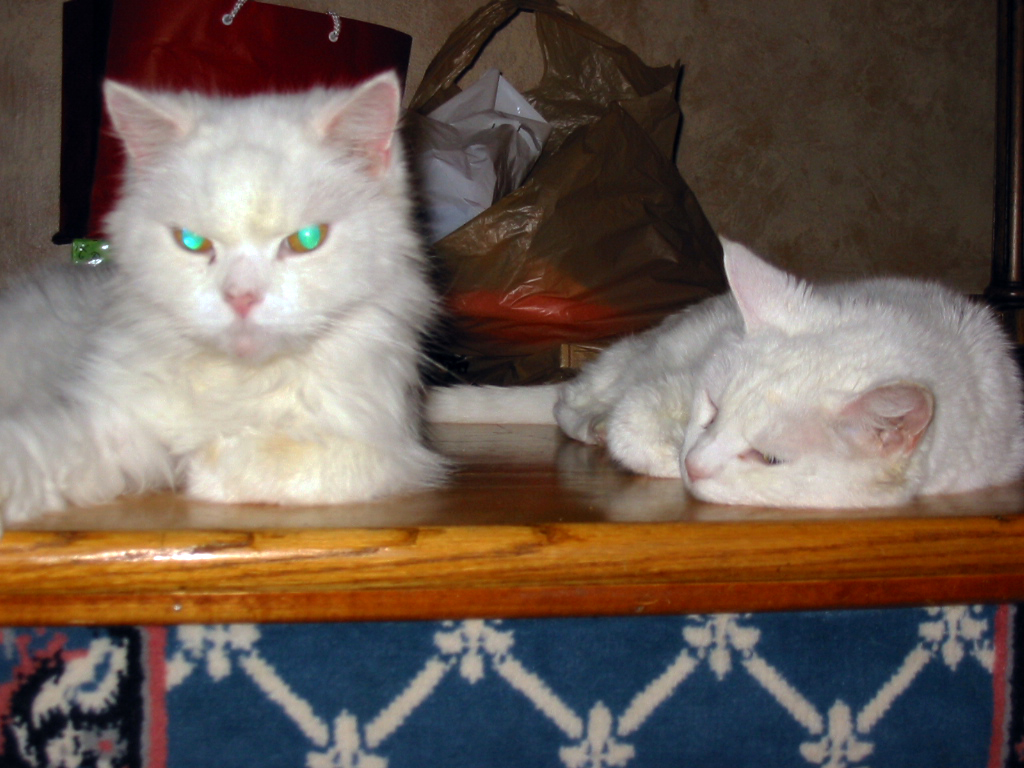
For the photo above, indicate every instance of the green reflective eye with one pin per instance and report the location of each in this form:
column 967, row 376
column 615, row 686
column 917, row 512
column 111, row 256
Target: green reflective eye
column 192, row 241
column 307, row 239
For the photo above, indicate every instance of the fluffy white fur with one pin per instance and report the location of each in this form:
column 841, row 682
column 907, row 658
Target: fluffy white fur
column 248, row 372
column 778, row 393
column 859, row 394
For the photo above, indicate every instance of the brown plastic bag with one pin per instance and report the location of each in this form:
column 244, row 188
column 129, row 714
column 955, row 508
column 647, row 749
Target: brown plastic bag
column 603, row 239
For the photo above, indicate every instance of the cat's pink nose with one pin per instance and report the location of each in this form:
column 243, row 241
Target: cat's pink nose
column 242, row 303
column 694, row 470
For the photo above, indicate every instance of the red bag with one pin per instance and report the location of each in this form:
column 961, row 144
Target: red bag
column 215, row 47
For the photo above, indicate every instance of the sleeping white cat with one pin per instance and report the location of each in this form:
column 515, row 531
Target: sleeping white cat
column 257, row 338
column 779, row 393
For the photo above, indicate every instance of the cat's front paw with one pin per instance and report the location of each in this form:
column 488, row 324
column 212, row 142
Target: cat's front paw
column 280, row 469
column 634, row 450
column 645, row 435
column 25, row 491
column 579, row 415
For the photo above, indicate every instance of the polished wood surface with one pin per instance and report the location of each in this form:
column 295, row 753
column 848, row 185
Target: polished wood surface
column 530, row 525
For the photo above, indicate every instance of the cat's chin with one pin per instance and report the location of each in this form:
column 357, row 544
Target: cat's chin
column 835, row 497
column 253, row 345
column 248, row 348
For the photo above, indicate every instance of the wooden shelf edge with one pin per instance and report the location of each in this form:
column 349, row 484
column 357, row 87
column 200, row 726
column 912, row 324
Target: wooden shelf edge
column 545, row 570
column 483, row 603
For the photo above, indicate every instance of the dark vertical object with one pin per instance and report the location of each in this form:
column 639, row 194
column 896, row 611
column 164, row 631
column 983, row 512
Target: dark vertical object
column 1006, row 291
column 86, row 29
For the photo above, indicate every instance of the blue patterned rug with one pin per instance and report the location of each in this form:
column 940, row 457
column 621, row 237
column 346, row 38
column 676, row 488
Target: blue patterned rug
column 837, row 689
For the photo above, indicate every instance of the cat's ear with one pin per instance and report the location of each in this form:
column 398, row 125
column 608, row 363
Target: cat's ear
column 145, row 122
column 364, row 120
column 766, row 295
column 888, row 420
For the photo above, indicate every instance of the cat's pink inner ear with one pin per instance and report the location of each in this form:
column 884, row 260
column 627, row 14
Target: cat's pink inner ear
column 889, row 420
column 766, row 295
column 145, row 124
column 364, row 122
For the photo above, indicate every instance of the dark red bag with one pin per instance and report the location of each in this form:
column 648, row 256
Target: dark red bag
column 220, row 47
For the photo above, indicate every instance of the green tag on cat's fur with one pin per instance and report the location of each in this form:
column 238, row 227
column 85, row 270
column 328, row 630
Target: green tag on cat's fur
column 88, row 251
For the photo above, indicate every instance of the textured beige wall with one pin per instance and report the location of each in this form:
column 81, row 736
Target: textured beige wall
column 842, row 137
column 30, row 60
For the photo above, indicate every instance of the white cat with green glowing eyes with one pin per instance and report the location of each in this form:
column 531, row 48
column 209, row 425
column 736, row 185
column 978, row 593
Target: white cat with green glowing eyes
column 256, row 338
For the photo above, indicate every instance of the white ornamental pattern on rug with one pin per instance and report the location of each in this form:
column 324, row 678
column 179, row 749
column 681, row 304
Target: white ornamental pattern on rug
column 838, row 738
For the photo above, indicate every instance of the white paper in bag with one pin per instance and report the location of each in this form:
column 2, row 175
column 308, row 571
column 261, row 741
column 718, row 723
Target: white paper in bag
column 474, row 149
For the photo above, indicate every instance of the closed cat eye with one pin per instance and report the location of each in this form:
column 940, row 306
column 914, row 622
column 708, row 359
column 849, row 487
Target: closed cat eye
column 708, row 410
column 761, row 458
column 192, row 241
column 307, row 239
